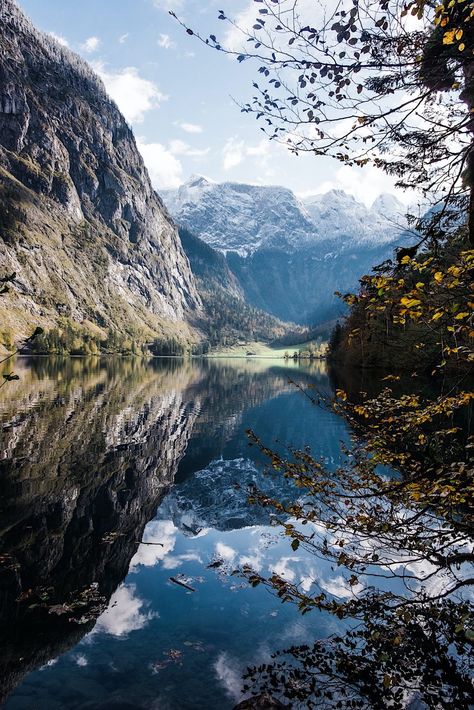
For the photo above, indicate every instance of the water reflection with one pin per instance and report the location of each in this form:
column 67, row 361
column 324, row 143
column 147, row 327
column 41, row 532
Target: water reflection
column 89, row 452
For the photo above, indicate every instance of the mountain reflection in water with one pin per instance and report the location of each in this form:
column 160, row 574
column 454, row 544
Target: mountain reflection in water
column 89, row 453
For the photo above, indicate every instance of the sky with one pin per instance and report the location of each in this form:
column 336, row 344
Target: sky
column 180, row 96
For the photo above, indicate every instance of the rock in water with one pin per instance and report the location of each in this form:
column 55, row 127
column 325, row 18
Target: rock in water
column 80, row 223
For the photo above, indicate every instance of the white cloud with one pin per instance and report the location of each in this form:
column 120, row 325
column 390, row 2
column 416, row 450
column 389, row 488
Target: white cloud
column 81, row 660
column 178, row 147
column 59, row 38
column 50, row 663
column 125, row 613
column 191, row 127
column 229, row 675
column 173, row 562
column 282, row 568
column 307, row 580
column 166, row 42
column 123, row 38
column 365, row 184
column 133, row 94
column 339, row 587
column 261, row 150
column 233, row 153
column 225, row 552
column 307, row 11
column 253, row 559
column 163, row 534
column 168, row 5
column 165, row 169
column 234, row 39
column 91, row 45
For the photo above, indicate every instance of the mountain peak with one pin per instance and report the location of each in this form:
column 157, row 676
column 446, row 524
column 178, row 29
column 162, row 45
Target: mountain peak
column 198, row 181
column 388, row 204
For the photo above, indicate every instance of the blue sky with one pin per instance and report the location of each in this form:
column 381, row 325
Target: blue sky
column 176, row 94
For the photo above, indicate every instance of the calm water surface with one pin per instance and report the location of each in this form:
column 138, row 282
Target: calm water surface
column 98, row 458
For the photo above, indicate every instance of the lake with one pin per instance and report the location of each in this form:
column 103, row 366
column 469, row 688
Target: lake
column 121, row 482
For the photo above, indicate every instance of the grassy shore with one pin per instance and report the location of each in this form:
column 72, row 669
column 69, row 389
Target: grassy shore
column 261, row 350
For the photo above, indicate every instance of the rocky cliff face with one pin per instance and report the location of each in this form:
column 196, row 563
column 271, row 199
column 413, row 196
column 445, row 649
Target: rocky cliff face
column 80, row 224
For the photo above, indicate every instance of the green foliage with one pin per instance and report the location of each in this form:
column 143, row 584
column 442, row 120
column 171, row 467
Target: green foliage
column 168, row 346
column 231, row 320
column 335, row 340
column 7, row 340
column 202, row 348
column 65, row 341
column 415, row 315
column 71, row 339
column 318, row 333
column 124, row 344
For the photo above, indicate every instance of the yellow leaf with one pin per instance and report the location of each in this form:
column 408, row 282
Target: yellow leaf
column 459, row 34
column 462, row 47
column 409, row 302
column 462, row 315
column 448, row 36
column 438, row 276
column 438, row 315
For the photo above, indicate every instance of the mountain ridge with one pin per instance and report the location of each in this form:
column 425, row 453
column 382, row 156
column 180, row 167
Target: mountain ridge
column 289, row 255
column 243, row 218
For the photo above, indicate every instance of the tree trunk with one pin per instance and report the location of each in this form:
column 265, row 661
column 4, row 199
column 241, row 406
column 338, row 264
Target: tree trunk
column 467, row 96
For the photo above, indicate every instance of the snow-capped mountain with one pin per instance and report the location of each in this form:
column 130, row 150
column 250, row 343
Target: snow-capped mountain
column 240, row 218
column 338, row 216
column 290, row 255
column 249, row 218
